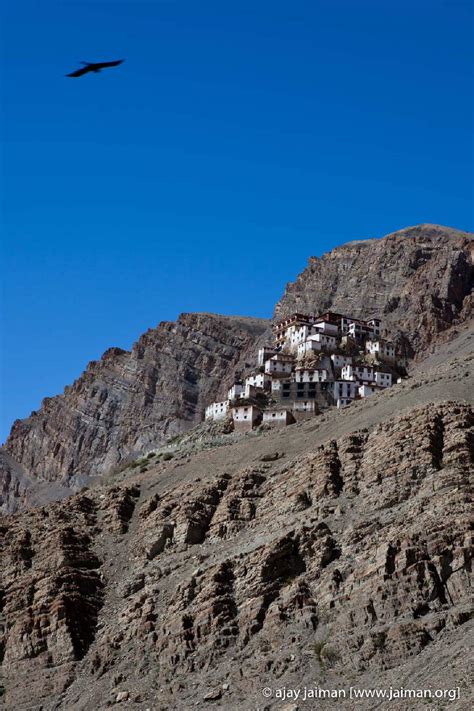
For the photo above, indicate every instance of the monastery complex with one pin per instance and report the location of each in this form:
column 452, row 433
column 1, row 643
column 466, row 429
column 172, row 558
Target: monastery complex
column 315, row 362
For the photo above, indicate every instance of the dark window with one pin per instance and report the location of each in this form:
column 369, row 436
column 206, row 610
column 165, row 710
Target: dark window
column 285, row 394
column 311, row 394
column 300, row 394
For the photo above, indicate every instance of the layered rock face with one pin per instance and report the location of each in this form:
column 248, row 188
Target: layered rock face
column 129, row 401
column 418, row 280
column 341, row 565
column 345, row 562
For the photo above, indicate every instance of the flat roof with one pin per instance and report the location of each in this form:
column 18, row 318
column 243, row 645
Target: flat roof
column 329, row 316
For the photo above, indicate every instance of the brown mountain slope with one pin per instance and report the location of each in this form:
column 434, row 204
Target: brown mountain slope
column 344, row 562
column 418, row 280
column 127, row 402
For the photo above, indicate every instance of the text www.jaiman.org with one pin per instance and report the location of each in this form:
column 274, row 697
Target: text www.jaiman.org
column 388, row 694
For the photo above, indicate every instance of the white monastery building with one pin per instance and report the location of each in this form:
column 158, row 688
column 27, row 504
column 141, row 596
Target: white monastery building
column 237, row 390
column 339, row 360
column 381, row 347
column 217, row 410
column 259, row 380
column 309, row 375
column 246, row 416
column 278, row 416
column 279, row 364
column 315, row 362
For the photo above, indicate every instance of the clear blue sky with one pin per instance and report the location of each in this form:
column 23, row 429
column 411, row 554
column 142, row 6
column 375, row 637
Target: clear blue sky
column 236, row 140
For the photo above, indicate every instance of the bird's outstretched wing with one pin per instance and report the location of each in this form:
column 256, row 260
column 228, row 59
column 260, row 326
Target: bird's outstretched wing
column 80, row 72
column 94, row 67
column 103, row 65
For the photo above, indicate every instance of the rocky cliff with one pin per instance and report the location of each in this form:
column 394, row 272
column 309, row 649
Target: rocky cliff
column 126, row 402
column 418, row 280
column 334, row 553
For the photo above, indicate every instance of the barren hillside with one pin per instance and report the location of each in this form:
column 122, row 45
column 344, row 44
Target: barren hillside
column 333, row 553
column 418, row 280
column 345, row 561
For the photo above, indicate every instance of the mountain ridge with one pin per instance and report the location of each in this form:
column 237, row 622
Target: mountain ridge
column 127, row 401
column 418, row 280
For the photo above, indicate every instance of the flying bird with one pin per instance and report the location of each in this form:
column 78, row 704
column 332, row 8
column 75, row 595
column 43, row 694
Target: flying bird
column 94, row 67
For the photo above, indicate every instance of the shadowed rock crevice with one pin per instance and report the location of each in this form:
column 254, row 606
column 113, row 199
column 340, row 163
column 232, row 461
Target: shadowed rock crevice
column 164, row 538
column 238, row 505
column 51, row 607
column 282, row 564
column 334, row 483
column 119, row 507
column 436, row 436
column 194, row 521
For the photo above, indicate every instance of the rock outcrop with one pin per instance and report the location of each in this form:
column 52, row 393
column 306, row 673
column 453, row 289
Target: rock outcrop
column 127, row 402
column 418, row 280
column 336, row 567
